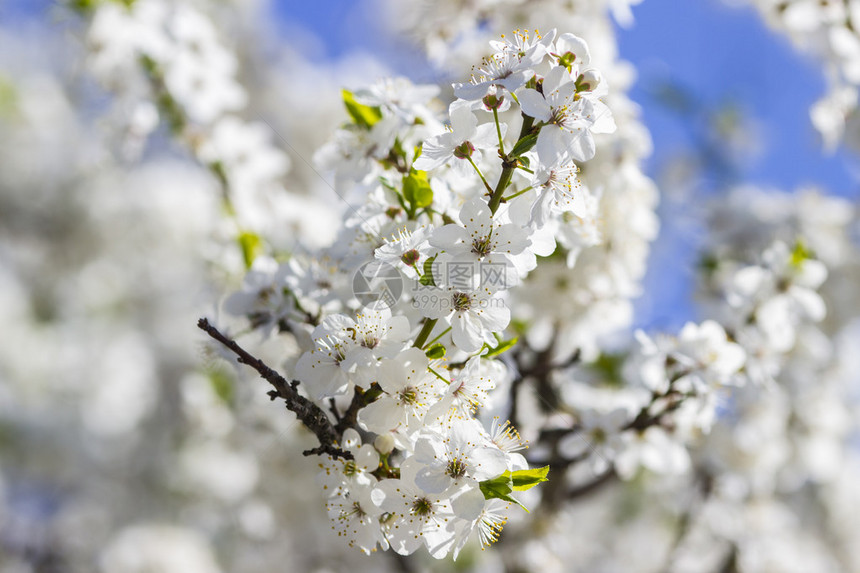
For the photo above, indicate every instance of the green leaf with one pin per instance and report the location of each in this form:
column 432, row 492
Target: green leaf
column 252, row 245
column 427, row 278
column 361, row 114
column 416, row 189
column 503, row 346
column 609, row 367
column 524, row 144
column 527, row 479
column 222, row 384
column 436, row 351
column 8, row 98
column 519, row 325
column 90, row 5
column 799, row 254
column 500, row 488
column 709, row 263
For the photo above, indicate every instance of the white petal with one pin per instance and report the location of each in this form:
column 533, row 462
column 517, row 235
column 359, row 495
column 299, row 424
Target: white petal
column 381, row 416
column 472, row 92
column 476, row 217
column 468, row 502
column 435, row 152
column 510, row 239
column 534, row 104
column 489, row 462
column 432, row 479
column 486, row 136
column 467, row 332
column 495, row 315
column 463, row 121
column 574, row 44
column 449, row 236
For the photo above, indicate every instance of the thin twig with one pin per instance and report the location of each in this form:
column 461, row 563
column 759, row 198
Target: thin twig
column 593, row 485
column 360, row 399
column 311, row 415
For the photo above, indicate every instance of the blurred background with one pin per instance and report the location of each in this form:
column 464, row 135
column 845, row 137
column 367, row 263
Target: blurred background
column 125, row 446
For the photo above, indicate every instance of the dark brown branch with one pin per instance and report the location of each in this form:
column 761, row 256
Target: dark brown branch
column 703, row 483
column 311, row 415
column 360, row 399
column 645, row 419
column 403, row 562
column 539, row 374
column 730, row 565
column 591, row 486
column 332, row 406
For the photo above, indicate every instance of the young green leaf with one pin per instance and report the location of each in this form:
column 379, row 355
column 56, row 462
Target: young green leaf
column 363, row 115
column 427, row 278
column 252, row 245
column 527, row 479
column 416, row 189
column 435, row 351
column 524, row 144
column 222, row 384
column 799, row 254
column 502, row 347
column 500, row 488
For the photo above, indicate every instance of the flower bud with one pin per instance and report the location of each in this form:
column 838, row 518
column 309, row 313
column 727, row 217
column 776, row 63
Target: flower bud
column 464, row 150
column 492, row 101
column 384, row 443
column 567, row 60
column 588, row 81
column 410, row 257
column 393, row 212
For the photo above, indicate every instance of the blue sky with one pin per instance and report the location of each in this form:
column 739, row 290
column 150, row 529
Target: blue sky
column 717, row 52
column 723, row 53
column 719, row 55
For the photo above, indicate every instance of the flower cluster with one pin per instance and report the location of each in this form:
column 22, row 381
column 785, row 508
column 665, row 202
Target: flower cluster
column 827, row 30
column 478, row 297
column 166, row 61
column 411, row 357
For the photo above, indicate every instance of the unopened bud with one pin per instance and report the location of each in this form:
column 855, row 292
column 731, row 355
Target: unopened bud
column 410, row 257
column 384, row 443
column 464, row 150
column 567, row 60
column 588, row 81
column 492, row 101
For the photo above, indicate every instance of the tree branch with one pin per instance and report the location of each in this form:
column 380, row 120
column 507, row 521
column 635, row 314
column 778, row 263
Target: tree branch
column 593, row 485
column 360, row 399
column 311, row 415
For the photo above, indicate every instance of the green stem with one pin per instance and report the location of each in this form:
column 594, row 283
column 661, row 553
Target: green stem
column 425, row 332
column 517, row 194
column 499, row 131
column 481, row 175
column 439, row 376
column 510, row 164
column 443, row 333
